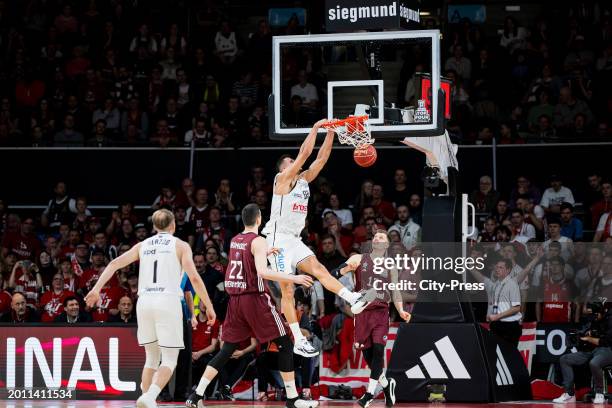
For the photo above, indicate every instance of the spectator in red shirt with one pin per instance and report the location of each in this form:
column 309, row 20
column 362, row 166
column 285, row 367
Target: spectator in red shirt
column 205, row 341
column 342, row 237
column 47, row 269
column 5, row 303
column 91, row 275
column 71, row 282
column 108, row 305
column 215, row 227
column 554, row 293
column 52, row 302
column 29, row 91
column 602, row 206
column 26, row 278
column 361, row 232
column 68, row 250
column 23, row 242
column 184, row 197
column 126, row 311
column 384, row 209
column 166, row 199
column 20, row 312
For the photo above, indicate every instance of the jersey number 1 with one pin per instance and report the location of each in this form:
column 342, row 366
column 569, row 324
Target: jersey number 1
column 155, row 272
column 236, row 265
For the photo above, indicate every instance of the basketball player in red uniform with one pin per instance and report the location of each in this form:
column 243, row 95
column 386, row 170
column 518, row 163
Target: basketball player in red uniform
column 372, row 326
column 287, row 220
column 251, row 311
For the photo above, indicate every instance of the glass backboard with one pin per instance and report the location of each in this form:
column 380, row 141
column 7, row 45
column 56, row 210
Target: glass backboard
column 374, row 73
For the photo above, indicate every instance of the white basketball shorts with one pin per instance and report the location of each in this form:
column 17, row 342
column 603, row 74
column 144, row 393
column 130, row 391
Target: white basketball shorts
column 160, row 319
column 291, row 252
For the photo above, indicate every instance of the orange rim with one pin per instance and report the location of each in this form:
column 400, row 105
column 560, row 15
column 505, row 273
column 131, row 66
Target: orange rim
column 354, row 120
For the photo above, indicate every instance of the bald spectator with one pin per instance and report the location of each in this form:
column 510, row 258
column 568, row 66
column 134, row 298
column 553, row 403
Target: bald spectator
column 20, row 312
column 126, row 312
column 485, row 197
column 567, row 109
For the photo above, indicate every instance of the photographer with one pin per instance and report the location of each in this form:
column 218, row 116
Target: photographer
column 596, row 336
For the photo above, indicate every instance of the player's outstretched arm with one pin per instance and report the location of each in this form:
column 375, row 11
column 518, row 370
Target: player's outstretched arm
column 259, row 249
column 303, row 155
column 120, row 262
column 188, row 266
column 397, row 297
column 316, row 166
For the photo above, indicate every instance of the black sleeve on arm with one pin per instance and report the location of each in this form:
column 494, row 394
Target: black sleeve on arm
column 336, row 271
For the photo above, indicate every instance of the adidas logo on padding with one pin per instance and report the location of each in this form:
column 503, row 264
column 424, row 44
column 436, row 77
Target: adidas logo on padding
column 434, row 368
column 503, row 376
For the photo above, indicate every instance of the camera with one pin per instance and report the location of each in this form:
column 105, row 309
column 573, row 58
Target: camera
column 591, row 326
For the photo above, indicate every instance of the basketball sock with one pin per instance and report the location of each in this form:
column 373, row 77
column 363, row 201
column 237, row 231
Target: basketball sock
column 202, row 386
column 383, row 380
column 154, row 391
column 372, row 385
column 350, row 297
column 295, row 330
column 291, row 389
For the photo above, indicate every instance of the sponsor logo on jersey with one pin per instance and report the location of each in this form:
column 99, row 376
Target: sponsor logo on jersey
column 306, row 194
column 238, row 245
column 280, row 260
column 149, row 252
column 301, row 208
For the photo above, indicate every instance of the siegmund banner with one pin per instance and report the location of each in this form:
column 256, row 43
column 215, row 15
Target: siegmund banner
column 354, row 15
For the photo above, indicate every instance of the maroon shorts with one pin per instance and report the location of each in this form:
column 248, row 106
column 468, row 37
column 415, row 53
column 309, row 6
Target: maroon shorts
column 371, row 327
column 252, row 315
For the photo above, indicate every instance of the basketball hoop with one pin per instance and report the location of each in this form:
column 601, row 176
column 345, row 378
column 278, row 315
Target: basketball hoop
column 354, row 130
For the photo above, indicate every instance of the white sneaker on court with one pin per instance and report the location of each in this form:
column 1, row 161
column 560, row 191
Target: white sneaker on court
column 599, row 399
column 304, row 348
column 564, row 398
column 145, row 401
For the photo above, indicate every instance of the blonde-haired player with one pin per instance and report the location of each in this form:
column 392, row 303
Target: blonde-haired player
column 163, row 258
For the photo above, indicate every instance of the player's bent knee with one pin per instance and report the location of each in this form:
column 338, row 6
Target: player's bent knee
column 285, row 353
column 169, row 356
column 223, row 356
column 152, row 355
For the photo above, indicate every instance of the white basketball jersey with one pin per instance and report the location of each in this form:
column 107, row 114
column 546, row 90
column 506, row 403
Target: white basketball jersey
column 160, row 269
column 289, row 211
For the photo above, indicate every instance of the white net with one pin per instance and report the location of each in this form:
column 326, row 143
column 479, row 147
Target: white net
column 353, row 131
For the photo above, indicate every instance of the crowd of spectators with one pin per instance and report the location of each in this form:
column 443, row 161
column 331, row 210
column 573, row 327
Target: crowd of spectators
column 107, row 72
column 49, row 261
column 535, row 82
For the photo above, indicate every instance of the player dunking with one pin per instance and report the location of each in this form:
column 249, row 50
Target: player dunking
column 251, row 309
column 287, row 220
column 372, row 326
column 163, row 258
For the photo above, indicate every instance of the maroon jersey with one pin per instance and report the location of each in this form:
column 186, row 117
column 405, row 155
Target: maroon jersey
column 240, row 275
column 365, row 278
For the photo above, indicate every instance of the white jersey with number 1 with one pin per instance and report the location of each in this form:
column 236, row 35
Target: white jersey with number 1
column 160, row 269
column 289, row 211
